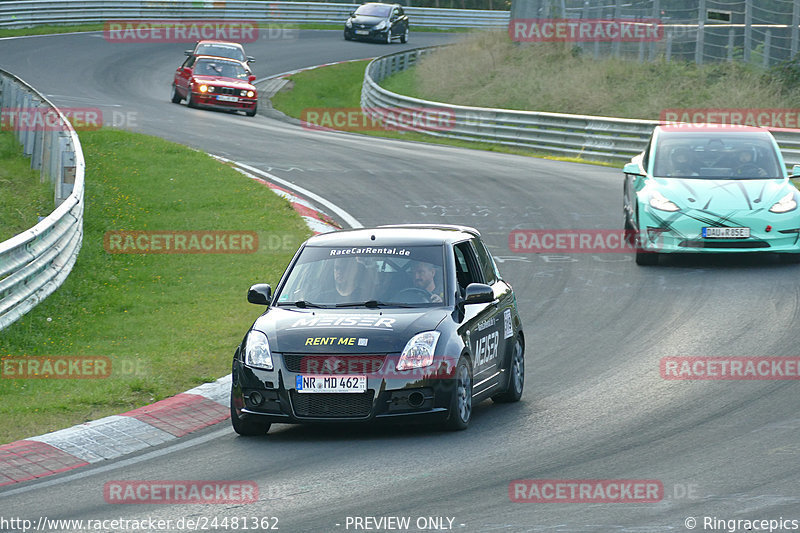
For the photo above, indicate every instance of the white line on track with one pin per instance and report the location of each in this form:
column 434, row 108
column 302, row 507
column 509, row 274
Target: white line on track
column 348, row 219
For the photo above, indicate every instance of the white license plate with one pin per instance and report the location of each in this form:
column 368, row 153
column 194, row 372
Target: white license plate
column 726, row 233
column 328, row 383
column 362, row 32
column 223, row 98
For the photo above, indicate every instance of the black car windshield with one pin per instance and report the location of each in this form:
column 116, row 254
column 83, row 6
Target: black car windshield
column 372, row 276
column 716, row 155
column 374, row 10
column 218, row 67
column 220, row 50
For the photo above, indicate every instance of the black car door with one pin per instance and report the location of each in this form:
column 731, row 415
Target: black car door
column 482, row 325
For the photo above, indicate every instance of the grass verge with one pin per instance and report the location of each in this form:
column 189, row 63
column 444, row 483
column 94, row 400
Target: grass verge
column 338, row 88
column 167, row 322
column 23, row 198
column 488, row 70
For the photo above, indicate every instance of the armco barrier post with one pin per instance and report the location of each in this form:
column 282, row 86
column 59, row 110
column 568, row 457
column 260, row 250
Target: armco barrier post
column 62, row 142
column 47, row 142
column 67, row 171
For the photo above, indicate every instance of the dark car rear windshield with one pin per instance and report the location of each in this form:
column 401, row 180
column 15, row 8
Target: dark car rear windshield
column 716, row 155
column 390, row 275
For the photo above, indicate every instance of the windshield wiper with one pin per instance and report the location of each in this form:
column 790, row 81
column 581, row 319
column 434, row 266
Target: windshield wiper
column 373, row 304
column 303, row 304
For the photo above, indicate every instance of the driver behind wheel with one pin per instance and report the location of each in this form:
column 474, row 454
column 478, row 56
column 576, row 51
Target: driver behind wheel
column 425, row 279
column 746, row 159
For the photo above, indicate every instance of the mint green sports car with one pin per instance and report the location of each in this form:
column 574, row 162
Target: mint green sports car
column 711, row 189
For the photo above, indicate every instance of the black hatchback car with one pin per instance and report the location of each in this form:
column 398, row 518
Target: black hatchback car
column 379, row 22
column 395, row 322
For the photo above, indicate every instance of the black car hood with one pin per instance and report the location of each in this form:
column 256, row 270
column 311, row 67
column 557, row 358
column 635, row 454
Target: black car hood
column 366, row 20
column 350, row 330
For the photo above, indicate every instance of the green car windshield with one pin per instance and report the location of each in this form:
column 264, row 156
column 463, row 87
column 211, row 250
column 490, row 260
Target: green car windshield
column 713, row 155
column 378, row 276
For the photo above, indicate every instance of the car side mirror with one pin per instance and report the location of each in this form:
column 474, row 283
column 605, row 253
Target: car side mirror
column 478, row 293
column 796, row 171
column 251, row 59
column 251, row 78
column 259, row 294
column 632, row 168
column 187, row 71
column 187, row 52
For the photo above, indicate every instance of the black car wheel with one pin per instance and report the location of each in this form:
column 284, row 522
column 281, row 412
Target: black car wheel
column 461, row 402
column 189, row 100
column 516, row 378
column 176, row 98
column 347, row 36
column 247, row 427
column 643, row 257
column 252, row 112
column 404, row 37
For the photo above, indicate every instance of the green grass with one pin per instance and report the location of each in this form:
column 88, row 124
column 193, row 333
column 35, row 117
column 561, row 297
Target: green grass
column 23, row 198
column 488, row 70
column 176, row 318
column 339, row 87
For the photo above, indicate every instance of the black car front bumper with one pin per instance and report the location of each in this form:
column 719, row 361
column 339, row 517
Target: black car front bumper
column 270, row 396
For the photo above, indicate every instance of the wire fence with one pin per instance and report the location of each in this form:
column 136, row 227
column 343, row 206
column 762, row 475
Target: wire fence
column 763, row 32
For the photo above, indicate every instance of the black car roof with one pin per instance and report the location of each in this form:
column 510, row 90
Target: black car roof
column 396, row 235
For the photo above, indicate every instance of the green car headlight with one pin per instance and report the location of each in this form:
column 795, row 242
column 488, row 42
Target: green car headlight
column 659, row 201
column 785, row 204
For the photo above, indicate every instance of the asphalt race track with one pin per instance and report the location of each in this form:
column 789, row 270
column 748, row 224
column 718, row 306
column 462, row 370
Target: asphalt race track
column 595, row 404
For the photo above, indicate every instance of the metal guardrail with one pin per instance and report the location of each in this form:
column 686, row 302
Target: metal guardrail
column 589, row 137
column 36, row 262
column 21, row 13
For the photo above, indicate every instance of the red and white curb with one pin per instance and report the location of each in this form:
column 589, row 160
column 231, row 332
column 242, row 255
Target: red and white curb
column 151, row 425
column 117, row 435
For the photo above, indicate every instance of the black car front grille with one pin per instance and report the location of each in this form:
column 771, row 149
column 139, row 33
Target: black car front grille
column 226, row 90
column 333, row 364
column 332, row 405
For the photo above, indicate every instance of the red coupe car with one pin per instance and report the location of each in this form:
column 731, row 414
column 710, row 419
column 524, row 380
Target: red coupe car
column 217, row 83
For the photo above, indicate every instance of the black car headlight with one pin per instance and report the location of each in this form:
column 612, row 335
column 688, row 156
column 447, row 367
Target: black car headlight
column 256, row 351
column 419, row 351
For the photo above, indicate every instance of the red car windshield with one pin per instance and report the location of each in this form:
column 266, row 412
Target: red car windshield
column 225, row 69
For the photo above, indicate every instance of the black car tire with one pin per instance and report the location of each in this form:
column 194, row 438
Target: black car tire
column 189, row 100
column 247, row 427
column 176, row 98
column 404, row 37
column 389, row 36
column 643, row 257
column 461, row 401
column 252, row 113
column 347, row 36
column 516, row 377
